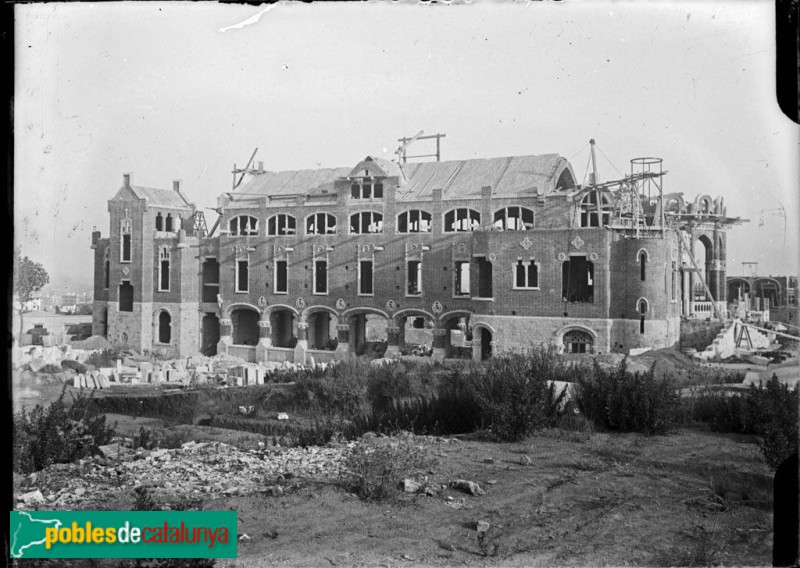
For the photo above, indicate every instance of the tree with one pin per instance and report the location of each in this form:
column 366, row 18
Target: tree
column 29, row 277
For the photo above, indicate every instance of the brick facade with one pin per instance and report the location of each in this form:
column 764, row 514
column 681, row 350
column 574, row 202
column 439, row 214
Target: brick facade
column 538, row 271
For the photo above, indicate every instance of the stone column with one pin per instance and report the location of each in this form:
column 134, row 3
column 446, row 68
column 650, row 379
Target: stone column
column 302, row 343
column 686, row 293
column 343, row 337
column 439, row 344
column 393, row 341
column 264, row 340
column 225, row 337
column 476, row 344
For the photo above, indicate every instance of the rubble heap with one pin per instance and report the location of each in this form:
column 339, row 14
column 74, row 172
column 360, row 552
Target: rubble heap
column 195, row 469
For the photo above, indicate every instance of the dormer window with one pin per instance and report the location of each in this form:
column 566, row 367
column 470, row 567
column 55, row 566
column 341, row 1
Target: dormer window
column 366, row 188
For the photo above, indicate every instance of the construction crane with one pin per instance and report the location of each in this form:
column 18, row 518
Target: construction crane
column 405, row 143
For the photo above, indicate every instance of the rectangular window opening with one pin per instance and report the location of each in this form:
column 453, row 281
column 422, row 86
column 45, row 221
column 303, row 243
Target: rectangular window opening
column 242, row 275
column 281, row 277
column 365, row 277
column 126, row 248
column 461, row 286
column 577, row 280
column 320, row 276
column 484, row 278
column 163, row 280
column 414, row 274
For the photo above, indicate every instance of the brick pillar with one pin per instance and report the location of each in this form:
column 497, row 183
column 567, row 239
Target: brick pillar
column 393, row 341
column 439, row 344
column 225, row 335
column 302, row 343
column 264, row 339
column 343, row 337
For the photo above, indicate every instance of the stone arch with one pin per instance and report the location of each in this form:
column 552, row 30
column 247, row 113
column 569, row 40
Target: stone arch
column 773, row 292
column 237, row 305
column 283, row 321
column 563, row 333
column 704, row 204
column 322, row 322
column 244, row 324
column 481, row 324
column 365, row 309
column 639, row 302
column 735, row 285
column 314, row 309
column 163, row 323
column 413, row 311
column 363, row 338
column 639, row 255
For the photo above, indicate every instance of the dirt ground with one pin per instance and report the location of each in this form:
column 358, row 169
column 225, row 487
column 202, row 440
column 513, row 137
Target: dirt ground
column 691, row 498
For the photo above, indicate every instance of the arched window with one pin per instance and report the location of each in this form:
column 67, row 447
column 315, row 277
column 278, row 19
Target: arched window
column 642, row 265
column 461, row 220
column 366, row 222
column 642, row 312
column 513, row 219
column 168, row 224
column 321, row 224
column 243, row 226
column 578, row 341
column 164, row 327
column 159, row 222
column 282, row 224
column 594, row 212
column 414, row 221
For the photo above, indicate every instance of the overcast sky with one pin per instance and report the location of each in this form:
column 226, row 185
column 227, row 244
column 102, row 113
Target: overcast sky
column 183, row 90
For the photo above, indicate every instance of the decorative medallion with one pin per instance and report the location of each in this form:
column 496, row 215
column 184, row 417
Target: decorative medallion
column 300, row 303
column 462, row 248
column 492, row 257
column 593, row 256
column 124, row 337
column 262, row 302
column 437, row 307
column 526, row 243
column 562, row 257
column 577, row 242
column 340, row 304
column 126, row 270
column 391, row 305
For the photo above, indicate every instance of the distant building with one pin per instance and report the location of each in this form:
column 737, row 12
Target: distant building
column 774, row 296
column 511, row 251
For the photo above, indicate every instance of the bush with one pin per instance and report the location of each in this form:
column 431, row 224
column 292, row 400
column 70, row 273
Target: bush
column 767, row 411
column 57, row 434
column 378, row 466
column 514, row 395
column 50, row 369
column 628, row 402
column 73, row 365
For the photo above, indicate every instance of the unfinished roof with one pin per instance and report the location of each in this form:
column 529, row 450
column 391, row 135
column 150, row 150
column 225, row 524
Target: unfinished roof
column 458, row 179
column 160, row 197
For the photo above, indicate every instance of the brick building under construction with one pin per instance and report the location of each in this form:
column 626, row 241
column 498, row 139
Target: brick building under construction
column 490, row 254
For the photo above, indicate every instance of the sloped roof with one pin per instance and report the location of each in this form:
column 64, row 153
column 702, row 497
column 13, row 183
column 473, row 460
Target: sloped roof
column 458, row 179
column 160, row 197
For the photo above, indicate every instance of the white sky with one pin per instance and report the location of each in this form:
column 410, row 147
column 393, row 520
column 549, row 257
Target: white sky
column 159, row 90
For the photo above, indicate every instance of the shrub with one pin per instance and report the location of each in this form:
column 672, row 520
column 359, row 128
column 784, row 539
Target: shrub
column 57, row 434
column 768, row 411
column 79, row 368
column 50, row 369
column 377, row 466
column 143, row 499
column 514, row 395
column 629, row 402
